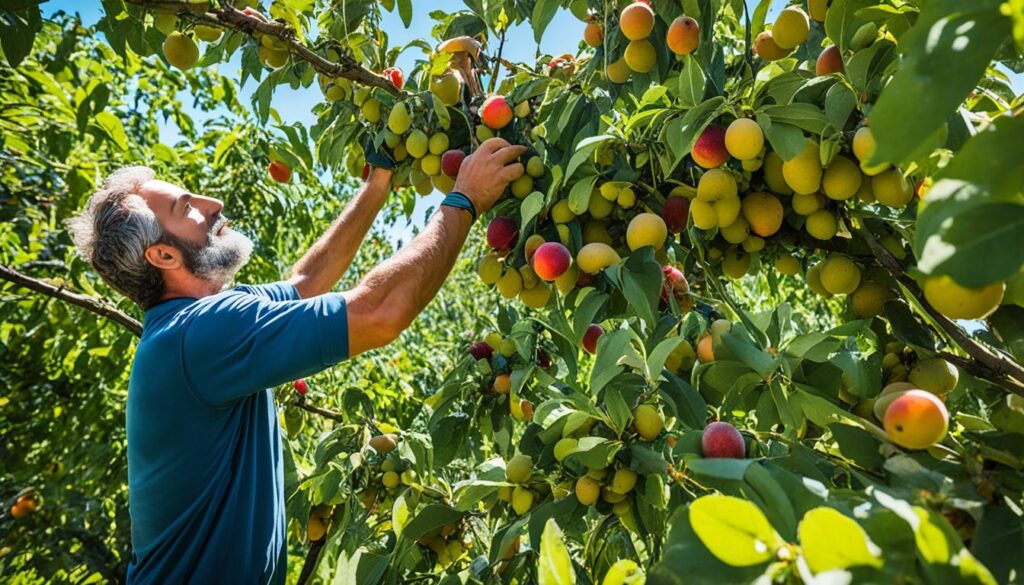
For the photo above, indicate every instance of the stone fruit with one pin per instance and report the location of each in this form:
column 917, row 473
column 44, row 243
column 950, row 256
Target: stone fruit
column 869, row 299
column 489, row 268
column 829, row 61
column 279, row 171
column 787, row 264
column 735, row 263
column 839, row 275
column 623, row 481
column 763, row 211
column 916, row 420
column 674, row 213
column 502, row 384
column 301, row 386
column 803, row 172
column 624, row 572
column 595, row 257
column 864, row 148
column 618, row 72
column 208, row 34
column 648, row 422
column 481, row 351
column 822, row 225
column 721, row 440
column 636, row 21
column 316, row 529
column 522, row 500
column 438, row 143
column 447, row 87
column 773, row 174
column 451, row 162
column 681, row 359
column 640, row 56
column 817, row 9
column 646, row 229
column 744, row 139
column 841, row 179
column 705, row 349
column 417, row 143
column 399, row 121
column 935, row 375
column 767, row 49
column 383, row 444
column 593, row 35
column 587, row 490
column 495, row 112
column 181, row 51
column 510, row 284
column 519, row 468
column 959, row 302
column 709, row 150
column 791, row 27
column 551, row 260
column 590, row 337
column 502, row 233
column 683, row 35
column 891, row 188
column 395, row 76
column 535, row 167
column 522, row 186
column 675, row 282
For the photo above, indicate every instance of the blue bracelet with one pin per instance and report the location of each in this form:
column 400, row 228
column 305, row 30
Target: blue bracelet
column 460, row 201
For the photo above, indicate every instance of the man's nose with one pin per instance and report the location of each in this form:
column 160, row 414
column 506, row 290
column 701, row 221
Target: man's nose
column 210, row 207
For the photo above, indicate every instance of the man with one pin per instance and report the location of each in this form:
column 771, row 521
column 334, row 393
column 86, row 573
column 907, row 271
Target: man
column 205, row 470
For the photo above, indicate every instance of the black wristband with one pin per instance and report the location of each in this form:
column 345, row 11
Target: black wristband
column 460, row 201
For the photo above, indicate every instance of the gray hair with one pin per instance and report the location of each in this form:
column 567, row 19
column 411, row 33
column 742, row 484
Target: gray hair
column 114, row 231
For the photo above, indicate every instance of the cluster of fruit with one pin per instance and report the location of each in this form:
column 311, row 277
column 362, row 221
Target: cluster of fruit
column 23, row 506
column 501, row 355
column 636, row 23
column 449, row 543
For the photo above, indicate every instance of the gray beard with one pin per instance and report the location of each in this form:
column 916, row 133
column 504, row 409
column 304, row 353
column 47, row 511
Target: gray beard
column 220, row 259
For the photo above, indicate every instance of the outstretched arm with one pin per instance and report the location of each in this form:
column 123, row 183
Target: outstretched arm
column 395, row 292
column 320, row 269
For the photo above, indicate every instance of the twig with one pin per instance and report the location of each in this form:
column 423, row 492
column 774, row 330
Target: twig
column 228, row 17
column 497, row 64
column 994, row 367
column 300, row 402
column 311, row 558
column 86, row 302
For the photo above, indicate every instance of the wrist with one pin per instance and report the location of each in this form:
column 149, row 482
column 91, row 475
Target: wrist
column 460, row 200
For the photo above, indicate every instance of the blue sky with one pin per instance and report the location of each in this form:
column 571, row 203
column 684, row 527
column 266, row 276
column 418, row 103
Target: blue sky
column 562, row 36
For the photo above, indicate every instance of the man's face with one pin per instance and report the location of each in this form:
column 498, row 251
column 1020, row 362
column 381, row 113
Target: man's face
column 194, row 225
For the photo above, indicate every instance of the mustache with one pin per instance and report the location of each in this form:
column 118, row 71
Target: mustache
column 219, row 222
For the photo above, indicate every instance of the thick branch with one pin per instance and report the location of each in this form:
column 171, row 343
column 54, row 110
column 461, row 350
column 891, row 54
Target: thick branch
column 300, row 402
column 86, row 302
column 997, row 368
column 311, row 558
column 230, row 18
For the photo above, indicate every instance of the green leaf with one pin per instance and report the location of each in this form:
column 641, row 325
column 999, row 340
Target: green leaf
column 112, row 128
column 734, row 530
column 583, row 151
column 693, row 123
column 945, row 54
column 986, row 231
column 691, row 82
column 579, row 195
column 18, row 30
column 842, row 21
column 405, row 11
column 830, row 540
column 543, row 12
column 554, row 567
column 430, row 518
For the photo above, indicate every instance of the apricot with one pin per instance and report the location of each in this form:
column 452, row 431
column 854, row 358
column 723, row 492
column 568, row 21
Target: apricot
column 593, row 35
column 561, row 212
column 165, row 22
column 510, row 284
column 495, row 112
column 705, row 349
column 709, row 150
column 595, row 257
column 803, row 172
column 841, row 179
column 502, row 383
column 829, row 61
column 316, row 529
column 916, row 420
column 891, row 188
column 522, row 500
column 181, row 51
column 764, row 213
column 791, row 27
column 279, row 171
column 587, row 490
column 817, row 9
column 390, row 479
column 519, row 468
column 648, row 422
column 383, row 444
column 274, row 58
column 721, row 440
column 646, row 229
column 675, row 282
column 598, row 206
column 489, row 269
column 683, row 35
column 839, row 275
column 787, row 264
column 590, row 337
column 399, row 121
column 447, row 87
column 417, row 143
column 522, row 186
column 681, row 359
column 209, row 34
column 27, row 503
column 959, row 302
column 869, row 299
column 735, row 263
column 502, row 233
column 767, row 49
column 773, row 174
column 623, row 481
column 935, row 375
column 674, row 213
column 624, row 571
column 618, row 72
column 744, row 139
column 597, row 231
column 822, row 225
column 807, row 204
column 735, row 232
column 813, row 278
column 636, row 21
column 551, row 260
column 864, row 148
column 640, row 56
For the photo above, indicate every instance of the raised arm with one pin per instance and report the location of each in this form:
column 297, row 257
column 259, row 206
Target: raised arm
column 320, row 269
column 393, row 294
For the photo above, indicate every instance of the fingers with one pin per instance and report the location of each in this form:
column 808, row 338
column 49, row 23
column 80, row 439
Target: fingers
column 492, row 144
column 510, row 153
column 512, row 172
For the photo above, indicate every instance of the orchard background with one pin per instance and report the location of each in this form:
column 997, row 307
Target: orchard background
column 805, row 223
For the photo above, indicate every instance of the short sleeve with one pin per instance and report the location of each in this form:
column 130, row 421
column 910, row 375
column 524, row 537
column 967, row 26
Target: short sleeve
column 240, row 343
column 275, row 291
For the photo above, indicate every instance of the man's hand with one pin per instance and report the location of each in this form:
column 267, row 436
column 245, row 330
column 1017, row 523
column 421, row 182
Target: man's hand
column 485, row 173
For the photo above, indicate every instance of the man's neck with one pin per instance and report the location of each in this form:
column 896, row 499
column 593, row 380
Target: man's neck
column 194, row 288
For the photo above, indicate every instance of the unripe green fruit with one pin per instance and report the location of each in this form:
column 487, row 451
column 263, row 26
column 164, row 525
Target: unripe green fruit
column 519, row 468
column 535, row 167
column 624, row 480
column 438, row 144
column 563, row 447
column 371, row 111
column 399, row 121
column 417, row 143
column 935, row 375
column 181, row 51
column 522, row 500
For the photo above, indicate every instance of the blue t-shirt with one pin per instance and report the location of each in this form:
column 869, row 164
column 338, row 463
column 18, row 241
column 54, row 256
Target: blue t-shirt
column 205, row 467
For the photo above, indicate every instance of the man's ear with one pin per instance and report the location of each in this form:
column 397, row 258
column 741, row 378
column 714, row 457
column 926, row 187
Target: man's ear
column 164, row 256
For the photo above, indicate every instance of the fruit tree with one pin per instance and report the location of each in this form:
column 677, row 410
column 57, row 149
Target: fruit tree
column 754, row 311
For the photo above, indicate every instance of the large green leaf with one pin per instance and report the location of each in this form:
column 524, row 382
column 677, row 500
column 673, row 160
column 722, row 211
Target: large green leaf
column 734, row 530
column 554, row 567
column 830, row 540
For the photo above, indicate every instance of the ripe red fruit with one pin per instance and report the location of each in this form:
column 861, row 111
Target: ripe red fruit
column 481, row 351
column 395, row 76
column 590, row 337
column 675, row 212
column 721, row 440
column 543, row 360
column 551, row 260
column 675, row 281
column 502, row 233
column 279, row 171
column 451, row 162
column 301, row 386
column 254, row 13
column 709, row 150
column 829, row 61
column 495, row 112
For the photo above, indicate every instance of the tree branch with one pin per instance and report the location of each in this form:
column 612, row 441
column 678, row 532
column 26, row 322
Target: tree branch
column 993, row 366
column 300, row 402
column 311, row 558
column 86, row 302
column 230, row 18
